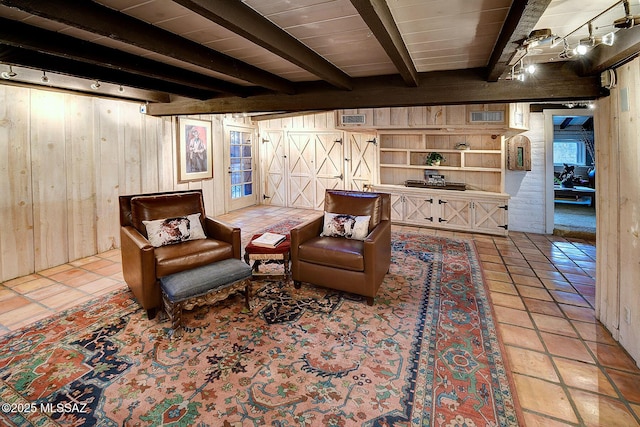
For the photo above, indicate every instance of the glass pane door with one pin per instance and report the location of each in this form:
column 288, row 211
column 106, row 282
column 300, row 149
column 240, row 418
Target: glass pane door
column 241, row 173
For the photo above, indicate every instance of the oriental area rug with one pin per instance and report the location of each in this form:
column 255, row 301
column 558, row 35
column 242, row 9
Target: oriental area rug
column 426, row 354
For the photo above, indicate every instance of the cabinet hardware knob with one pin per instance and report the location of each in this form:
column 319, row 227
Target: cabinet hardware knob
column 442, row 220
column 429, row 218
column 441, row 202
column 429, row 200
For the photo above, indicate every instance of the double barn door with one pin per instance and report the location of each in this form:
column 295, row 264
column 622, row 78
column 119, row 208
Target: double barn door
column 300, row 165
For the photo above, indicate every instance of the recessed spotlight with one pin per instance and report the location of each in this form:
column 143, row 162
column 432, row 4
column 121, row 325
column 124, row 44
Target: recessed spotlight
column 95, row 85
column 121, row 89
column 44, row 77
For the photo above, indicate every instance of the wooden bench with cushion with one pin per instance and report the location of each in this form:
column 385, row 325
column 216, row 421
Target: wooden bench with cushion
column 203, row 285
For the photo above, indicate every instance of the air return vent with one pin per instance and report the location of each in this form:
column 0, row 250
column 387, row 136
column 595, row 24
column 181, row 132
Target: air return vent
column 487, row 117
column 352, row 119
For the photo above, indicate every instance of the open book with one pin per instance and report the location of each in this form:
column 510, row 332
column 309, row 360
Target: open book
column 269, row 240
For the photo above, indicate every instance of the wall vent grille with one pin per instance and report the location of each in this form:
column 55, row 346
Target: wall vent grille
column 487, row 117
column 353, row 119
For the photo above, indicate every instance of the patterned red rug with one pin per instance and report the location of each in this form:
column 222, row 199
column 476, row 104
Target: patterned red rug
column 426, row 354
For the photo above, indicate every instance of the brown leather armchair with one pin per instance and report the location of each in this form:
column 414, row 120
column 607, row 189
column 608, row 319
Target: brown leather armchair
column 143, row 264
column 356, row 266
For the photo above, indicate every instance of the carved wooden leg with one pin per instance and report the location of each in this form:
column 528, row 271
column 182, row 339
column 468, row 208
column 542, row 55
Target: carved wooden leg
column 247, row 295
column 176, row 321
column 174, row 311
column 287, row 273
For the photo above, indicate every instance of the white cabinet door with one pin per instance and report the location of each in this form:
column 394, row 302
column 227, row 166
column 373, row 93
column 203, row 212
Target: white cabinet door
column 490, row 216
column 397, row 207
column 454, row 213
column 421, row 210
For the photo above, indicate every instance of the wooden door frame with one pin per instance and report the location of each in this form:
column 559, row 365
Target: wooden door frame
column 548, row 176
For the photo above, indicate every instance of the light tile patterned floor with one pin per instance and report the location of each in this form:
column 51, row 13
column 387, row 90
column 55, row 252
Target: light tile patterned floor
column 567, row 369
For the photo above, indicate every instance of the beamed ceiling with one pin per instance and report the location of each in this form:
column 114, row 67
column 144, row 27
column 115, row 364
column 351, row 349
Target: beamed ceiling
column 220, row 56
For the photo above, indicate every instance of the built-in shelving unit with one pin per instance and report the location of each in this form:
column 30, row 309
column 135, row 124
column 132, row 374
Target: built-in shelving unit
column 481, row 165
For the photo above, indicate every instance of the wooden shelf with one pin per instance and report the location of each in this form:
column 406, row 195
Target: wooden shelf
column 449, row 168
column 402, row 156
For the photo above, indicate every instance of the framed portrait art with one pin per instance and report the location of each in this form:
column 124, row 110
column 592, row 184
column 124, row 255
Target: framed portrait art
column 194, row 150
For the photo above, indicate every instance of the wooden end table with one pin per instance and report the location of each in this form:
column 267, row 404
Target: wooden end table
column 259, row 254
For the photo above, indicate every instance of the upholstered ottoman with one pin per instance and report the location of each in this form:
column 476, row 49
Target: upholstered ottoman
column 203, row 285
column 259, row 254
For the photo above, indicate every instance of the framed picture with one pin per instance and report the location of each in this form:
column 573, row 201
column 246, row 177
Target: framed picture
column 194, row 150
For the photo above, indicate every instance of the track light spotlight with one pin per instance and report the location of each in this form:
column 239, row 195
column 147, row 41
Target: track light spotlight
column 581, row 49
column 95, row 85
column 121, row 89
column 608, row 39
column 8, row 74
column 44, row 77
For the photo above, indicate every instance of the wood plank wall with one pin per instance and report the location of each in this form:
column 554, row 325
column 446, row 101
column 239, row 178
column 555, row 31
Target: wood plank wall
column 618, row 206
column 65, row 159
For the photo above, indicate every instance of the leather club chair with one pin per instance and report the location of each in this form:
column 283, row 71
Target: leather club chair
column 143, row 264
column 356, row 266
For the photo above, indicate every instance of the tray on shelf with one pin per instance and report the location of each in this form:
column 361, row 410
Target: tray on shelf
column 459, row 186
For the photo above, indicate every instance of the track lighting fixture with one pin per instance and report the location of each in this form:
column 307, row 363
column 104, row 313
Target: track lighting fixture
column 95, row 85
column 121, row 89
column 629, row 21
column 519, row 71
column 8, row 74
column 593, row 41
column 587, row 43
column 44, row 77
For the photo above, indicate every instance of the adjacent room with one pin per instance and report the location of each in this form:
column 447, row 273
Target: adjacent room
column 320, row 213
column 574, row 171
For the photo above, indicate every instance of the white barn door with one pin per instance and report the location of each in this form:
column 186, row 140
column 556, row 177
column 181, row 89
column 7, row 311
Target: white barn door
column 360, row 160
column 274, row 167
column 329, row 165
column 301, row 169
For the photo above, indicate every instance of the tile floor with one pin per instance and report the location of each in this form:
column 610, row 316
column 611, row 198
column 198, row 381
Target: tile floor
column 567, row 369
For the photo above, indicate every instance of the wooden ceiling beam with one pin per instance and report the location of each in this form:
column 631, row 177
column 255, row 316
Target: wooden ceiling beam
column 25, row 36
column 378, row 17
column 521, row 20
column 30, row 59
column 554, row 81
column 236, row 16
column 98, row 19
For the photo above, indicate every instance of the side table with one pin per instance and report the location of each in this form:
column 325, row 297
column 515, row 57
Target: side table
column 259, row 254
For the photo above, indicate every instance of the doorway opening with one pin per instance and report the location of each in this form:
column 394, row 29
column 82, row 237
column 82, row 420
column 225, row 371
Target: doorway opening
column 240, row 163
column 574, row 174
